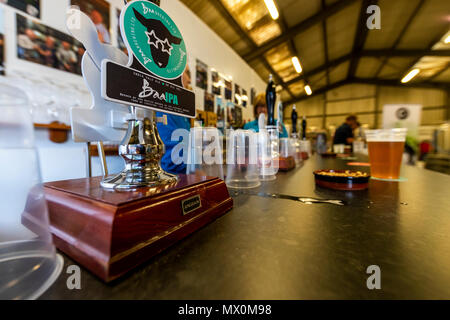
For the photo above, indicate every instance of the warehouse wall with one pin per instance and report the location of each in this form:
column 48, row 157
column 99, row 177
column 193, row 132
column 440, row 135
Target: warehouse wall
column 367, row 102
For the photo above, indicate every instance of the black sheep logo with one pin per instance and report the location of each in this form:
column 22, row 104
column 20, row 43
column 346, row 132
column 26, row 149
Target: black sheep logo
column 402, row 113
column 159, row 38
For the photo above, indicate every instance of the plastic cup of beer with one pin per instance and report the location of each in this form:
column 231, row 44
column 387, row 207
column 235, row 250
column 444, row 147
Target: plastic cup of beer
column 385, row 152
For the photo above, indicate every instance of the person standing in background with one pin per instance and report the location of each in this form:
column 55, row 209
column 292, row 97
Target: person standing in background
column 261, row 107
column 344, row 134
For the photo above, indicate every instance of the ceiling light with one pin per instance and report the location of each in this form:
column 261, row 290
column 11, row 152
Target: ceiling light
column 272, row 9
column 308, row 90
column 297, row 65
column 447, row 39
column 410, row 75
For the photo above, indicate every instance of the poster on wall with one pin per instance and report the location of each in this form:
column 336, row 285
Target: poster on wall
column 2, row 44
column 237, row 116
column 215, row 82
column 228, row 89
column 201, row 75
column 209, row 102
column 403, row 116
column 237, row 94
column 31, row 7
column 230, row 113
column 244, row 98
column 2, row 54
column 98, row 11
column 252, row 96
column 220, row 110
column 46, row 46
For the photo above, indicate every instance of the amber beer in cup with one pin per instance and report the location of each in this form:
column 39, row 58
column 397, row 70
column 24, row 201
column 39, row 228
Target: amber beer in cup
column 385, row 152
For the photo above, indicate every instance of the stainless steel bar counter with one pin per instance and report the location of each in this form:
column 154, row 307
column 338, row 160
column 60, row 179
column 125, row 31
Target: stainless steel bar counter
column 281, row 249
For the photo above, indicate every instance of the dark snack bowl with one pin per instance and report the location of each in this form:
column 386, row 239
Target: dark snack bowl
column 342, row 179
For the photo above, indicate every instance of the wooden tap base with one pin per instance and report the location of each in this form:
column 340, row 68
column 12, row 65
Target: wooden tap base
column 286, row 163
column 112, row 232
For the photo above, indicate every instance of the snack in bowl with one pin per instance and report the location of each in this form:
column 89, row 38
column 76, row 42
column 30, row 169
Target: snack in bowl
column 342, row 179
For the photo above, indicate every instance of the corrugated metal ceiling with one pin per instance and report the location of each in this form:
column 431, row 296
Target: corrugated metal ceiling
column 326, row 36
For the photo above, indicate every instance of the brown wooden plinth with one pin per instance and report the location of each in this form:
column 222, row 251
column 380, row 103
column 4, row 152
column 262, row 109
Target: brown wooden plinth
column 111, row 232
column 286, row 164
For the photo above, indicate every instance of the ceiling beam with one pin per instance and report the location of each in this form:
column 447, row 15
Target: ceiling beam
column 371, row 53
column 437, row 74
column 291, row 43
column 430, row 46
column 237, row 28
column 232, row 22
column 325, row 42
column 324, row 67
column 372, row 81
column 397, row 83
column 298, row 28
column 405, row 53
column 318, row 92
column 401, row 34
column 360, row 36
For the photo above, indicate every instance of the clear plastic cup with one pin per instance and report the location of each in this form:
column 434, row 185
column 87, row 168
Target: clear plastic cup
column 286, row 148
column 386, row 148
column 28, row 260
column 339, row 148
column 242, row 163
column 297, row 151
column 268, row 153
column 205, row 152
column 305, row 146
column 358, row 146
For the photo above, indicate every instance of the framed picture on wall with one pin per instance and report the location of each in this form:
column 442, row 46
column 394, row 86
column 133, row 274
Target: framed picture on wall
column 31, row 7
column 220, row 109
column 209, row 102
column 215, row 82
column 230, row 113
column 252, row 96
column 98, row 11
column 237, row 116
column 237, row 94
column 2, row 44
column 228, row 89
column 46, row 46
column 201, row 75
column 2, row 54
column 244, row 97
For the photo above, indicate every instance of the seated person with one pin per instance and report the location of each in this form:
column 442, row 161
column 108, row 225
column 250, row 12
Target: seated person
column 165, row 131
column 261, row 107
column 344, row 134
